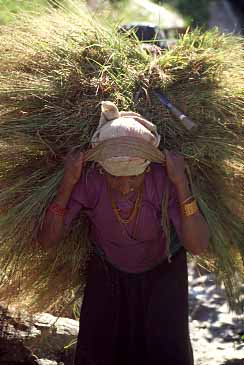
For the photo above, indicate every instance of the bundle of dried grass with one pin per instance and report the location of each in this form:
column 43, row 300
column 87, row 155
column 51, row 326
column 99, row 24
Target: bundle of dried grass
column 54, row 71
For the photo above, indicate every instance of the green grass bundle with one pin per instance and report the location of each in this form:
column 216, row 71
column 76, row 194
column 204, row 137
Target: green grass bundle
column 54, row 72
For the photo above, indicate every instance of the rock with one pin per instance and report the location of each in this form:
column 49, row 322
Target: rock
column 13, row 352
column 56, row 333
column 47, row 362
column 24, row 339
column 215, row 331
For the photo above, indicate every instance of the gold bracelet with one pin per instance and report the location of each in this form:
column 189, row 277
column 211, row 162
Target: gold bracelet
column 187, row 199
column 190, row 208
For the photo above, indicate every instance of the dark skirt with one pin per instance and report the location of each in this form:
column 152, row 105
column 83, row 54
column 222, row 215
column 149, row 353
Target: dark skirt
column 135, row 319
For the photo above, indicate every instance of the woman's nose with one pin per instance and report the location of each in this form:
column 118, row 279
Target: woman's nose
column 125, row 187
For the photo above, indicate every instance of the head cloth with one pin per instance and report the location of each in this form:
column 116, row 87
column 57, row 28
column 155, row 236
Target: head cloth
column 115, row 124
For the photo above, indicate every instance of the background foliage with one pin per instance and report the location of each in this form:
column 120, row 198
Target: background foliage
column 194, row 11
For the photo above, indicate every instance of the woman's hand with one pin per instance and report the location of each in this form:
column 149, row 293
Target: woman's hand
column 194, row 229
column 175, row 166
column 74, row 162
column 53, row 227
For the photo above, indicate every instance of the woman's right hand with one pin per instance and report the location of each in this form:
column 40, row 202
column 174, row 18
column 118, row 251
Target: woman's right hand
column 74, row 162
column 53, row 228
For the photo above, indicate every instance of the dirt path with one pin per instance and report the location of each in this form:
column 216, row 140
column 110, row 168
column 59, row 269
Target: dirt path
column 215, row 332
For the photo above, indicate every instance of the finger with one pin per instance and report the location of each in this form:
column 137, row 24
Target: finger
column 167, row 153
column 169, row 159
column 175, row 156
column 81, row 158
column 78, row 160
column 68, row 156
column 167, row 156
column 74, row 151
column 178, row 155
column 76, row 154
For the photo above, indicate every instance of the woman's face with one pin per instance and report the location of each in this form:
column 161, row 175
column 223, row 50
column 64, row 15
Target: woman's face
column 125, row 184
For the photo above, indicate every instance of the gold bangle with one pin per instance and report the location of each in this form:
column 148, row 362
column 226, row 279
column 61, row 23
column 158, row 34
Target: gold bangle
column 190, row 208
column 187, row 199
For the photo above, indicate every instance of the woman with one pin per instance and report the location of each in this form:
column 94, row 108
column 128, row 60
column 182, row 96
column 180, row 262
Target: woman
column 135, row 307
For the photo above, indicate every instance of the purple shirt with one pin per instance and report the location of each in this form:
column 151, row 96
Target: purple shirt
column 126, row 250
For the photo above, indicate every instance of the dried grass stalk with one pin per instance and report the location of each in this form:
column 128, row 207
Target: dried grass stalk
column 54, row 72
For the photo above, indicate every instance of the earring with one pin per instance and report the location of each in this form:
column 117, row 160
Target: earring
column 101, row 171
column 148, row 169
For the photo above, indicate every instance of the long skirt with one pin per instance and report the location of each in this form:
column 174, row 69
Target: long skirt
column 135, row 319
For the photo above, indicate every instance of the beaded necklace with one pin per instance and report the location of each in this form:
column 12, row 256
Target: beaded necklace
column 135, row 209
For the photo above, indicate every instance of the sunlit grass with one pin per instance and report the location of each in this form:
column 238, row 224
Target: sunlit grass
column 54, row 72
column 10, row 9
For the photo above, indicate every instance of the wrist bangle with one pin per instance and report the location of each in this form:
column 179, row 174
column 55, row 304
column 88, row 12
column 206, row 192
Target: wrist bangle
column 190, row 208
column 187, row 199
column 57, row 209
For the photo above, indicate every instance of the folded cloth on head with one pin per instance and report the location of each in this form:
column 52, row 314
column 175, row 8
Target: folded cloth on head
column 115, row 124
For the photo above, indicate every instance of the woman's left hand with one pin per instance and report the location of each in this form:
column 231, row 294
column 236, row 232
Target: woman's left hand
column 175, row 166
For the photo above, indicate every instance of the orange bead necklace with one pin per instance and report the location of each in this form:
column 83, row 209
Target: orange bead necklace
column 134, row 211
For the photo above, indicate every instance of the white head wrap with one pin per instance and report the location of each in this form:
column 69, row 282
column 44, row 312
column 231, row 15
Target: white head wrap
column 114, row 124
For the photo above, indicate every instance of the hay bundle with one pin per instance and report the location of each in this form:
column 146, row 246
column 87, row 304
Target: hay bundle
column 54, row 71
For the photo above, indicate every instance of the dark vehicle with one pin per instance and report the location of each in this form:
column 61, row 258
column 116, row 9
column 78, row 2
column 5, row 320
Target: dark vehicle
column 151, row 33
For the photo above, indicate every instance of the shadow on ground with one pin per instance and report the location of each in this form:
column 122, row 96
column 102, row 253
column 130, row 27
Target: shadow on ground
column 234, row 362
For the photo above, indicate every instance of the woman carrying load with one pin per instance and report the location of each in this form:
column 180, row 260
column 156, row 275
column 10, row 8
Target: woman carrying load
column 135, row 306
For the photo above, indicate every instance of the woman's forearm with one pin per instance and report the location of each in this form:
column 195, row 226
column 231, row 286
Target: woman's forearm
column 52, row 230
column 195, row 233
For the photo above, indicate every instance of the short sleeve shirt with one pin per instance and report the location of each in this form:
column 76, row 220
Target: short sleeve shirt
column 140, row 244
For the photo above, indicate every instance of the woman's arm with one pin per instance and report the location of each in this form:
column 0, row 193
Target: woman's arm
column 53, row 228
column 195, row 232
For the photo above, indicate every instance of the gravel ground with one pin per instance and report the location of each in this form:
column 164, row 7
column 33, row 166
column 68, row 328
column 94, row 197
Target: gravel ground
column 215, row 331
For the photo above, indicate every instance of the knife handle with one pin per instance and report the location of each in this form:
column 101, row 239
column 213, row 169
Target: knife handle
column 186, row 121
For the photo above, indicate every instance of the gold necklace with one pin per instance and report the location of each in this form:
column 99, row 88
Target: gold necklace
column 134, row 211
